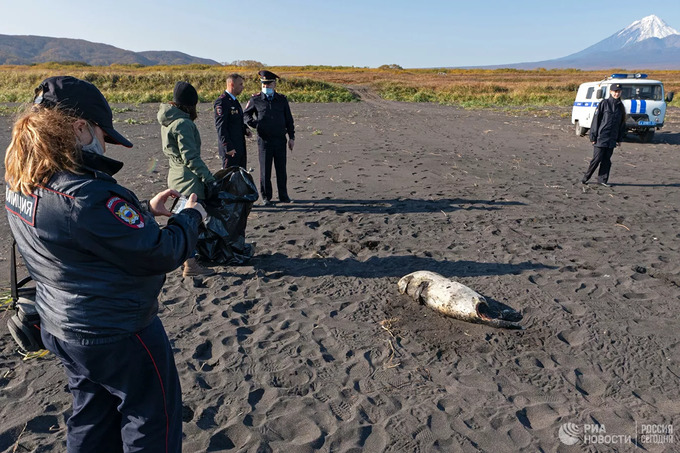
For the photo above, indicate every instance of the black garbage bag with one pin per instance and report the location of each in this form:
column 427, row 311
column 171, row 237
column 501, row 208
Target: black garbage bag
column 223, row 239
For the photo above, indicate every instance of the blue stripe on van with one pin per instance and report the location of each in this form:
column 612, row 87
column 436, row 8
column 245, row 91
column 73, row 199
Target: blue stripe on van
column 643, row 106
column 633, row 106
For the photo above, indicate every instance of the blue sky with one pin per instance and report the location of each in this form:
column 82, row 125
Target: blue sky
column 412, row 34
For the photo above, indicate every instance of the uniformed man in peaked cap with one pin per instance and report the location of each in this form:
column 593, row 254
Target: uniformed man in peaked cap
column 606, row 132
column 269, row 113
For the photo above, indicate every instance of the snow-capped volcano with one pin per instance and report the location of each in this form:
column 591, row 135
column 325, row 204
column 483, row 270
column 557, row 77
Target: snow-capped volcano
column 640, row 30
column 648, row 43
column 647, row 27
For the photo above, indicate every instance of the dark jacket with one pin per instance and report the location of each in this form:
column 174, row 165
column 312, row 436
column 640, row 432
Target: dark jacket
column 272, row 119
column 609, row 123
column 230, row 130
column 97, row 257
column 182, row 145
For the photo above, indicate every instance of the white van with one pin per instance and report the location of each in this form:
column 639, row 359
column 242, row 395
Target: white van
column 643, row 98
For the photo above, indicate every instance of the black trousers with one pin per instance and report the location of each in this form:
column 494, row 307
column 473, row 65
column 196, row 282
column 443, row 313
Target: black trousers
column 272, row 151
column 126, row 394
column 240, row 159
column 602, row 157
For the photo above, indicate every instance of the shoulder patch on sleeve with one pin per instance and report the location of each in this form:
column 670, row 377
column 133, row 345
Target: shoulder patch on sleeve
column 125, row 213
column 218, row 109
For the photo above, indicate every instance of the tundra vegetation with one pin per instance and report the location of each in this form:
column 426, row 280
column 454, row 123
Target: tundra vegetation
column 468, row 88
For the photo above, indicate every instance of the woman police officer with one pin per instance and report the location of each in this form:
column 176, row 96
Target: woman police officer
column 99, row 260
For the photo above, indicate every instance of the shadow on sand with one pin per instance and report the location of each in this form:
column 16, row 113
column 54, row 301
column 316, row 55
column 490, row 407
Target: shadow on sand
column 376, row 267
column 663, row 138
column 394, row 206
column 644, row 185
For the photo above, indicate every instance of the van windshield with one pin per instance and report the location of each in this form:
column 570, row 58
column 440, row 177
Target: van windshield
column 639, row 91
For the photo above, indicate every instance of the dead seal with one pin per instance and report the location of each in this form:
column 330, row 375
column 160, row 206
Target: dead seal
column 456, row 300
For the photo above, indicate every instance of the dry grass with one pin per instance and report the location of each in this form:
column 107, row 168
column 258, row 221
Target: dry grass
column 468, row 88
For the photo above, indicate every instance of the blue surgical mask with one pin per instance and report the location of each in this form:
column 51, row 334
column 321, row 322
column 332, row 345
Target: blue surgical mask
column 268, row 91
column 95, row 146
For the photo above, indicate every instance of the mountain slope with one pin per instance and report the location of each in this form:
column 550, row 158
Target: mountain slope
column 42, row 49
column 648, row 43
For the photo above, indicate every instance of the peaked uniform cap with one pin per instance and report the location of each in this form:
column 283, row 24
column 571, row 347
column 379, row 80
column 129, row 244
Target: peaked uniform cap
column 267, row 76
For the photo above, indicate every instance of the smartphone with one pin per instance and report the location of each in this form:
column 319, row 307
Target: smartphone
column 179, row 204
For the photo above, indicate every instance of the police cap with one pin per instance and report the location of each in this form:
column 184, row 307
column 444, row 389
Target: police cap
column 81, row 99
column 615, row 87
column 267, row 76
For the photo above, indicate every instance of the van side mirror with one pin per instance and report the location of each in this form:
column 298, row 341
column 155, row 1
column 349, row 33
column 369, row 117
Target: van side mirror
column 669, row 96
column 598, row 93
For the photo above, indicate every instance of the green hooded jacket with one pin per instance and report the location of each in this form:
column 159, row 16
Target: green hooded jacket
column 182, row 145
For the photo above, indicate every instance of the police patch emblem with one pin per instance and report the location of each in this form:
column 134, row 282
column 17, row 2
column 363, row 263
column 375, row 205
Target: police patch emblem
column 218, row 110
column 125, row 213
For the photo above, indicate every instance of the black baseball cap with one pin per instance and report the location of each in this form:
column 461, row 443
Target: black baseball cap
column 267, row 76
column 84, row 100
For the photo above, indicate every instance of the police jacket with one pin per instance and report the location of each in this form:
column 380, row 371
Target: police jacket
column 272, row 119
column 230, row 129
column 97, row 256
column 609, row 123
column 182, row 145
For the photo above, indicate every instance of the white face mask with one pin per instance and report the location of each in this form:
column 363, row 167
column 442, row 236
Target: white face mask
column 268, row 91
column 95, row 146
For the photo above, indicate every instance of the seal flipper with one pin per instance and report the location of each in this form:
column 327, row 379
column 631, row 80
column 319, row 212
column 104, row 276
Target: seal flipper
column 491, row 316
column 502, row 323
column 418, row 294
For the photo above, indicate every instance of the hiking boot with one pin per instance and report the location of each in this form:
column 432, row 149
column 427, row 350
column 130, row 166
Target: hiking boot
column 193, row 269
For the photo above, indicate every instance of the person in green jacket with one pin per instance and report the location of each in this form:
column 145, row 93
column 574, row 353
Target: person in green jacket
column 182, row 145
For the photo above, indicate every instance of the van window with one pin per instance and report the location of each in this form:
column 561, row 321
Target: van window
column 642, row 92
column 589, row 94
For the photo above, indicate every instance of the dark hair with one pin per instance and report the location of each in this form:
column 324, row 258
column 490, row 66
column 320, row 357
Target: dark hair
column 188, row 109
column 233, row 77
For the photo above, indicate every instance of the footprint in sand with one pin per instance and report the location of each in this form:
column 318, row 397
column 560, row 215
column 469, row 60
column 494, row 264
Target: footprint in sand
column 574, row 337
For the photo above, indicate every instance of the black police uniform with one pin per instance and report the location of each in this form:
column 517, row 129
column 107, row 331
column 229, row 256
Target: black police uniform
column 230, row 131
column 606, row 130
column 99, row 261
column 273, row 120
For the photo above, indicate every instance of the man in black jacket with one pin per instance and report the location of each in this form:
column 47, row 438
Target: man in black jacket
column 606, row 132
column 231, row 130
column 269, row 113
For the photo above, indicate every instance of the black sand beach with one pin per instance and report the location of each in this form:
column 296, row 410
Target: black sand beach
column 310, row 347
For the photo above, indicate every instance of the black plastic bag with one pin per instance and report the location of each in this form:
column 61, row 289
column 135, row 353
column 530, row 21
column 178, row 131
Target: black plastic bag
column 223, row 239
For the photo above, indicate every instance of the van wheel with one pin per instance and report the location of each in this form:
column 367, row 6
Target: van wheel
column 580, row 131
column 647, row 136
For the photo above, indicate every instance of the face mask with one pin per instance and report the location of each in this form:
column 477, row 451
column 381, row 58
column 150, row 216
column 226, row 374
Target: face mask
column 94, row 147
column 268, row 91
